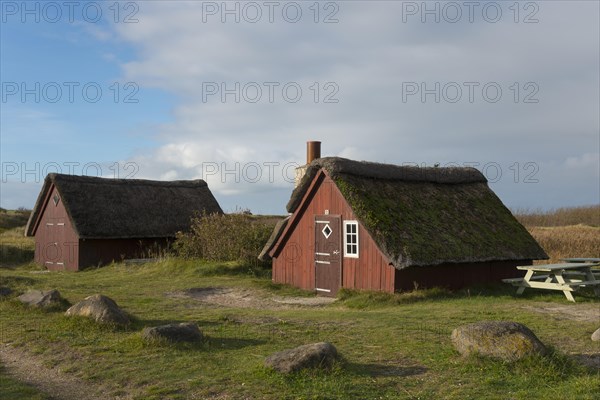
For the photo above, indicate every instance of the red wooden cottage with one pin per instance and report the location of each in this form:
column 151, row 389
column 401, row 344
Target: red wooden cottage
column 81, row 221
column 365, row 225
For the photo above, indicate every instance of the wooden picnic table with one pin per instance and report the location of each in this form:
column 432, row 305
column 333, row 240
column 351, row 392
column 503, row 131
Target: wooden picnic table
column 566, row 277
column 581, row 260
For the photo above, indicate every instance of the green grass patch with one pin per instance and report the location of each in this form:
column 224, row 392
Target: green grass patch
column 12, row 389
column 393, row 346
column 368, row 299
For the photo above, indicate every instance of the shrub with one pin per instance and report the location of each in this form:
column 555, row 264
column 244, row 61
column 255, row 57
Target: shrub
column 229, row 237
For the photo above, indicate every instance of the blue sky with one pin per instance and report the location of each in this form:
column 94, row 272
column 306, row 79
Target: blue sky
column 230, row 94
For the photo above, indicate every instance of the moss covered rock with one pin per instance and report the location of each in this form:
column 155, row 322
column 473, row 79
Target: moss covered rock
column 503, row 340
column 316, row 355
column 184, row 332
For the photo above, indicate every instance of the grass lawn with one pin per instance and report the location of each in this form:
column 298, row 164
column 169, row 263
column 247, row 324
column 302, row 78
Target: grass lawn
column 12, row 389
column 394, row 347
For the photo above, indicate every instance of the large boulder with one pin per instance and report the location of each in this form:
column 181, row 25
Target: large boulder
column 42, row 299
column 101, row 309
column 504, row 340
column 596, row 335
column 316, row 355
column 184, row 332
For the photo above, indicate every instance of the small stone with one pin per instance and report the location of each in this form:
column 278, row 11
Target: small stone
column 184, row 332
column 504, row 340
column 596, row 335
column 316, row 355
column 41, row 299
column 101, row 309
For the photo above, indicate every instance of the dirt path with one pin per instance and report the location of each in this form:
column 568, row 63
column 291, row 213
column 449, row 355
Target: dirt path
column 575, row 312
column 30, row 369
column 248, row 298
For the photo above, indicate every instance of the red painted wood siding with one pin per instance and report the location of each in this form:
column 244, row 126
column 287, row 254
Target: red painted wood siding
column 294, row 264
column 56, row 243
column 97, row 252
column 456, row 276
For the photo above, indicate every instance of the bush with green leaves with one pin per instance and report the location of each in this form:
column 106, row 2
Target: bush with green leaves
column 225, row 237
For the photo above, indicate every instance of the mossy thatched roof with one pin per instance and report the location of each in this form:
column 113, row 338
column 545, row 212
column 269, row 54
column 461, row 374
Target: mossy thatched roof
column 426, row 216
column 126, row 208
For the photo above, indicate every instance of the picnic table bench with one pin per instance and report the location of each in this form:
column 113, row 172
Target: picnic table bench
column 566, row 277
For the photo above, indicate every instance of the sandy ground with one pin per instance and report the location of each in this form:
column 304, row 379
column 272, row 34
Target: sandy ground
column 576, row 312
column 248, row 298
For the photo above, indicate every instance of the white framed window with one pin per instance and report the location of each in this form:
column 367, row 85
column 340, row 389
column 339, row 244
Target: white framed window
column 351, row 239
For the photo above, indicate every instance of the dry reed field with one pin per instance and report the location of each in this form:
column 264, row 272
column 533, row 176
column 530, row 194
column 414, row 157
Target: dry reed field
column 565, row 232
column 565, row 216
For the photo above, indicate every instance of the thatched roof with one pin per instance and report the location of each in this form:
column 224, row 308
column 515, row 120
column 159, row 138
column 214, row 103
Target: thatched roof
column 426, row 216
column 277, row 231
column 126, row 208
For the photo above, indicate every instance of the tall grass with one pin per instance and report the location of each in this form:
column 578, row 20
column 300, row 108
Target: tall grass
column 10, row 219
column 15, row 248
column 568, row 241
column 586, row 215
column 564, row 232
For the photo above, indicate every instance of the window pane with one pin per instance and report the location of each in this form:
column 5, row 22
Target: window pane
column 351, row 238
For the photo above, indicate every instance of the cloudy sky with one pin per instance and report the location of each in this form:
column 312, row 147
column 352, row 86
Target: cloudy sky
column 231, row 91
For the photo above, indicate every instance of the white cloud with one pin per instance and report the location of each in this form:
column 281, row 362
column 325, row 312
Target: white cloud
column 589, row 161
column 368, row 56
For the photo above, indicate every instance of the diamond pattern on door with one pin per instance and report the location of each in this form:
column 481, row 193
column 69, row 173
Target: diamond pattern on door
column 327, row 231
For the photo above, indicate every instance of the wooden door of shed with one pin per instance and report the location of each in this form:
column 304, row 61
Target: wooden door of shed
column 328, row 246
column 53, row 244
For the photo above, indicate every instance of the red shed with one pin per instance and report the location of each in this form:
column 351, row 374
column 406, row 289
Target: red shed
column 365, row 225
column 81, row 221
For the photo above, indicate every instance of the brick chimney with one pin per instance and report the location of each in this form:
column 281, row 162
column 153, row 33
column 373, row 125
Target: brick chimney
column 313, row 151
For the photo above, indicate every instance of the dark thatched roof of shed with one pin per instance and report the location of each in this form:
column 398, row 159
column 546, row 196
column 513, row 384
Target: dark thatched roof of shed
column 101, row 208
column 277, row 231
column 426, row 216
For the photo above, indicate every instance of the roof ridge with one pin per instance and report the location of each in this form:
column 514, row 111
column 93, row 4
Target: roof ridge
column 393, row 172
column 127, row 181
